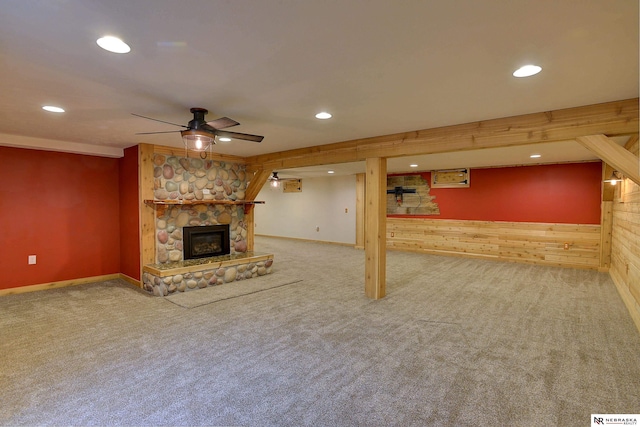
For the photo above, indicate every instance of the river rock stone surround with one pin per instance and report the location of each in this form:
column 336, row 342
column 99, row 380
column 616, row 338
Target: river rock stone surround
column 182, row 178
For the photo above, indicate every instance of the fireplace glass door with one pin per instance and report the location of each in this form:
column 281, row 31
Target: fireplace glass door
column 206, row 241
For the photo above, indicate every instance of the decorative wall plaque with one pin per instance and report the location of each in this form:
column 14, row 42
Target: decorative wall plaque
column 451, row 178
column 292, row 186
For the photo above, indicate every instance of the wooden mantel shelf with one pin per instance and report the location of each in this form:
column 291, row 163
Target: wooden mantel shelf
column 248, row 204
column 203, row 202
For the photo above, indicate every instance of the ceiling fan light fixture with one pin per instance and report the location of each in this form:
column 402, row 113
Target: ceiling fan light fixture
column 196, row 141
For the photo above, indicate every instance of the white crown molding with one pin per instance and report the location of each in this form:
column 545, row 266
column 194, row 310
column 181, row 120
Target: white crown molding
column 61, row 146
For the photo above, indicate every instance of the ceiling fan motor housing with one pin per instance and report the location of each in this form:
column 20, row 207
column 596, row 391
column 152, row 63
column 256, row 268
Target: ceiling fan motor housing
column 198, row 119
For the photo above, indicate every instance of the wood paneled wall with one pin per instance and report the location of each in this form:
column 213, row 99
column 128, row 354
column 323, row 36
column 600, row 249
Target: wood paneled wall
column 534, row 243
column 625, row 243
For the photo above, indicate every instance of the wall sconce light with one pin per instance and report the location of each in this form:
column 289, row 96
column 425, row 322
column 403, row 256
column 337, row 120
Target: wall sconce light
column 614, row 178
column 274, row 180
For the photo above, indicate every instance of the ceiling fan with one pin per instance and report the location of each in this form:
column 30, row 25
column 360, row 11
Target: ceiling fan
column 275, row 180
column 199, row 134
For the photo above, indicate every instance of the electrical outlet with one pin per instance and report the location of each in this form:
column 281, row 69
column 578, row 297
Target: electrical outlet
column 566, row 246
column 317, row 228
column 346, row 210
column 32, row 259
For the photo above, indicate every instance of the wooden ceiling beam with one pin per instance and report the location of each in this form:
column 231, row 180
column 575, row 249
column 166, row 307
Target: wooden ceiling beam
column 256, row 183
column 613, row 154
column 611, row 119
column 633, row 140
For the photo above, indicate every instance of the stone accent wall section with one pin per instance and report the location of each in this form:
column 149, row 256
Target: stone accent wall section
column 163, row 286
column 420, row 202
column 182, row 178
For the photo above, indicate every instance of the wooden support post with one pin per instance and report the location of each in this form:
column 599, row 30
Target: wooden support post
column 255, row 185
column 360, row 209
column 606, row 228
column 249, row 219
column 606, row 218
column 147, row 213
column 375, row 228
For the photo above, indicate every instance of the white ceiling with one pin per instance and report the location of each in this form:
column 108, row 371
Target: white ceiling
column 378, row 66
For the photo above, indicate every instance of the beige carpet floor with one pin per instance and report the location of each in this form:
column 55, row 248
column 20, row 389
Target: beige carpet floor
column 199, row 297
column 456, row 342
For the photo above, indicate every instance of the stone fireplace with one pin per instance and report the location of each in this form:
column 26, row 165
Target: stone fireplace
column 200, row 228
column 205, row 241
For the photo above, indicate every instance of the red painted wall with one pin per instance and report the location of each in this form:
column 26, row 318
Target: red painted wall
column 129, row 214
column 63, row 208
column 79, row 214
column 563, row 193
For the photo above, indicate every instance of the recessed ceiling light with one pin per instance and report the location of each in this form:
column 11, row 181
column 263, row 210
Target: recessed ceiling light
column 527, row 70
column 224, row 139
column 331, row 172
column 53, row 109
column 413, row 166
column 535, row 156
column 113, row 44
column 323, row 115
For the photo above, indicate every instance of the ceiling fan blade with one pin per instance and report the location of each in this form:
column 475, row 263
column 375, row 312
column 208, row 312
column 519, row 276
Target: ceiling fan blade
column 151, row 133
column 236, row 135
column 161, row 121
column 222, row 123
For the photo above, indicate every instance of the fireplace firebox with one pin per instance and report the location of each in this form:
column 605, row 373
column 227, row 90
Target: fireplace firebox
column 206, row 241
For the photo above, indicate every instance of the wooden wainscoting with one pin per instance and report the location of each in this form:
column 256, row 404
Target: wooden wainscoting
column 534, row 243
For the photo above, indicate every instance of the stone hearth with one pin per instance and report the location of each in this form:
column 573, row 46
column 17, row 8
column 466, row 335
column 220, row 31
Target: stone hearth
column 163, row 279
